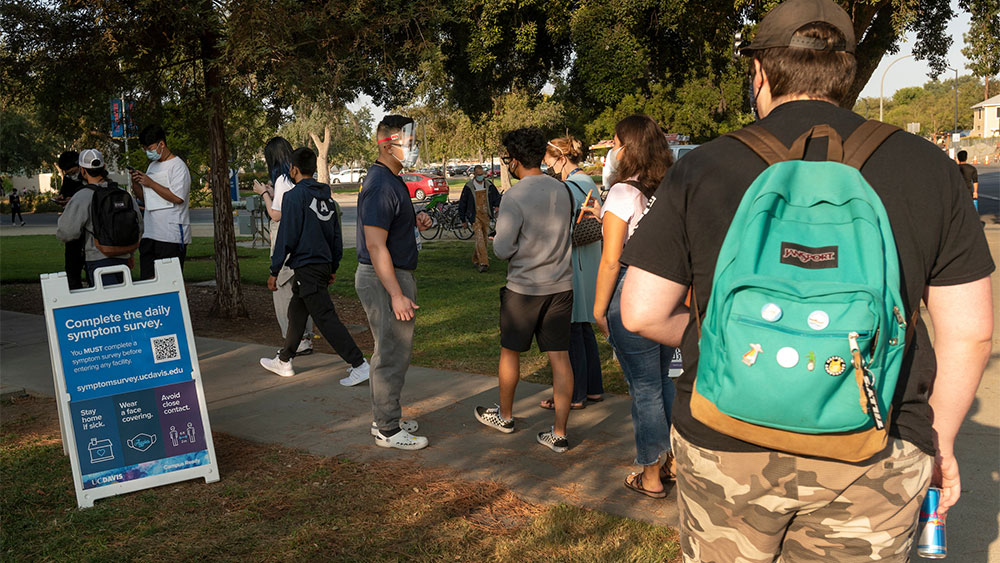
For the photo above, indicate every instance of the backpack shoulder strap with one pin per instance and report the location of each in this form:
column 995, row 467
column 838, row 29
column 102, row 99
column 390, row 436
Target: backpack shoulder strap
column 865, row 140
column 763, row 143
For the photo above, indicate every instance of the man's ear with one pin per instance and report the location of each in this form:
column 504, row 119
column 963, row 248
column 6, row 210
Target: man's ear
column 293, row 171
column 759, row 76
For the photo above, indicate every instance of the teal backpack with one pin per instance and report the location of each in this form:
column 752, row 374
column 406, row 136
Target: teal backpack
column 804, row 332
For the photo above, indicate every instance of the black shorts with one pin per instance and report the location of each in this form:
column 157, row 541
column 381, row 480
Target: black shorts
column 545, row 317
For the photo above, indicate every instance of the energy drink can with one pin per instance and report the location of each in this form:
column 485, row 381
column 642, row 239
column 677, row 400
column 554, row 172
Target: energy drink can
column 932, row 544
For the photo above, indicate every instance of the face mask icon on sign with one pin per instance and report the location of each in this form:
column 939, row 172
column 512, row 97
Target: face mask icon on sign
column 100, row 450
column 142, row 442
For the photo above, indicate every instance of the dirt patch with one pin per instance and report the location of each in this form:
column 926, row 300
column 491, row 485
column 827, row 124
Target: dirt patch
column 260, row 327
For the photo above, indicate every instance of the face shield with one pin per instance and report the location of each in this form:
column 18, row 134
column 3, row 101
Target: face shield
column 406, row 140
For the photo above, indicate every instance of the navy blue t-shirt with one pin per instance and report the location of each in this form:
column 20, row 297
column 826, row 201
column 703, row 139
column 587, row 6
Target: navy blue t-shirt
column 384, row 202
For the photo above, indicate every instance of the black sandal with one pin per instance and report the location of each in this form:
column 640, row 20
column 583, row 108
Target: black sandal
column 634, row 483
column 549, row 404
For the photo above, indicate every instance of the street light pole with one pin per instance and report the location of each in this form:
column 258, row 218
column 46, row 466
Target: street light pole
column 882, row 83
column 955, row 130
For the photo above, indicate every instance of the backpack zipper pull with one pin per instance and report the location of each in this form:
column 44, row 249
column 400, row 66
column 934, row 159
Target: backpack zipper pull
column 866, row 385
column 856, row 361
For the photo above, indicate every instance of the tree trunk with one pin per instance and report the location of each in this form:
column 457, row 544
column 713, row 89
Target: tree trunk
column 229, row 302
column 322, row 152
column 874, row 23
column 504, row 177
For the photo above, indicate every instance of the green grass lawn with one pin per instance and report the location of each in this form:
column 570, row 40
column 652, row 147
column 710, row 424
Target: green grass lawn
column 458, row 324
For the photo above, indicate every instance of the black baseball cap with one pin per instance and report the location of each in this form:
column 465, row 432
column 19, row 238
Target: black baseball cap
column 781, row 23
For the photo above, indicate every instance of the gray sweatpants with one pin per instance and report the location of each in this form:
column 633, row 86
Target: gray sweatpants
column 393, row 343
column 283, row 296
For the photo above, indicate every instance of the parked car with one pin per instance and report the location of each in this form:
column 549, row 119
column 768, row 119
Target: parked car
column 423, row 185
column 348, row 175
column 681, row 150
column 458, row 169
column 495, row 173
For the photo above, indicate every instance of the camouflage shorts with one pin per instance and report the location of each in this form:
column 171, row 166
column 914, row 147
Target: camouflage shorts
column 771, row 506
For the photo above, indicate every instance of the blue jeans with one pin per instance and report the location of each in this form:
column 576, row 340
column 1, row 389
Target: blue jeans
column 646, row 365
column 106, row 279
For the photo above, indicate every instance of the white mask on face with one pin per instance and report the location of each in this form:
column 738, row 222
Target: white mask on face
column 610, row 165
column 407, row 143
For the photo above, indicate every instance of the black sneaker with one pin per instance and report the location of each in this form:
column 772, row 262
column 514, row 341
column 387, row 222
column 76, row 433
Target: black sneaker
column 491, row 417
column 550, row 440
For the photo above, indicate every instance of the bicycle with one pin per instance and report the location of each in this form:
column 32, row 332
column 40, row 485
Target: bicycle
column 445, row 216
column 433, row 207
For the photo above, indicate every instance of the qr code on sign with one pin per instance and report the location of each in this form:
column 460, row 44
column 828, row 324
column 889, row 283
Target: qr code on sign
column 165, row 348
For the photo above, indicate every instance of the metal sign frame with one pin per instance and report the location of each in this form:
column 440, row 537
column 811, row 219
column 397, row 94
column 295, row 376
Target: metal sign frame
column 167, row 285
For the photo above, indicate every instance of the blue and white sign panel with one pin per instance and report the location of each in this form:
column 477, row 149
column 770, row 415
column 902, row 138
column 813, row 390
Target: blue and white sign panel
column 132, row 407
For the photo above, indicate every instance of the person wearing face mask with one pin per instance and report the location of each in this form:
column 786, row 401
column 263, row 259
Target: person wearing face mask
column 71, row 183
column 740, row 499
column 77, row 220
column 164, row 190
column 387, row 257
column 533, row 235
column 478, row 193
column 563, row 156
column 310, row 244
column 643, row 158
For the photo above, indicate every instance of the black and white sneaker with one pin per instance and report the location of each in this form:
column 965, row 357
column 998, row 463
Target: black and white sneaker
column 491, row 417
column 552, row 441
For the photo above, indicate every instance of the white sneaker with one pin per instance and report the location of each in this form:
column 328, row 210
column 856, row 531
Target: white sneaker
column 410, row 426
column 305, row 347
column 401, row 440
column 275, row 365
column 356, row 375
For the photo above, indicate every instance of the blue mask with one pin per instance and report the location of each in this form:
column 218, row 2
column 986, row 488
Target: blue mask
column 153, row 155
column 480, row 178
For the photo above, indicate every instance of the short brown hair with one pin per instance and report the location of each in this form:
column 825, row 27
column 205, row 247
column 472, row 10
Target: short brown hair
column 819, row 74
column 567, row 146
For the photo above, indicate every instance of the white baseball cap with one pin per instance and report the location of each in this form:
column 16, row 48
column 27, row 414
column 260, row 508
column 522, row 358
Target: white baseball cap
column 91, row 158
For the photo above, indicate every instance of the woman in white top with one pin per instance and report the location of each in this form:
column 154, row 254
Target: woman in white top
column 643, row 157
column 277, row 155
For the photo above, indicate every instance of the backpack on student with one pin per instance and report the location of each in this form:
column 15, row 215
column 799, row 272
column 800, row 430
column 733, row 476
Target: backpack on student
column 804, row 333
column 114, row 220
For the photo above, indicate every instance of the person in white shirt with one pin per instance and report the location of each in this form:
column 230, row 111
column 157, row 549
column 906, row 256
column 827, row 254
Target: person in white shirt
column 164, row 190
column 277, row 155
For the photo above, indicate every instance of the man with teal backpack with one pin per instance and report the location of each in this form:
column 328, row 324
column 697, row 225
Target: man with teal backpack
column 813, row 412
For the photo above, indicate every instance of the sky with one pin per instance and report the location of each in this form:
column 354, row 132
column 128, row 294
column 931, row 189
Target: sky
column 911, row 72
column 908, row 72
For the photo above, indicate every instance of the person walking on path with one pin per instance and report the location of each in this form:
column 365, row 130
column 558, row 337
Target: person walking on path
column 563, row 156
column 480, row 199
column 643, row 158
column 277, row 156
column 164, row 191
column 970, row 174
column 387, row 256
column 311, row 244
column 738, row 498
column 15, row 207
column 77, row 221
column 75, row 262
column 533, row 235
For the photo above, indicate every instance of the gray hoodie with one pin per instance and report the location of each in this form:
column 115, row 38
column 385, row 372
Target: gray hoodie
column 533, row 234
column 75, row 221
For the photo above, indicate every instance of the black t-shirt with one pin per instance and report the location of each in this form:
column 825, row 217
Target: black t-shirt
column 937, row 232
column 384, row 201
column 70, row 186
column 970, row 174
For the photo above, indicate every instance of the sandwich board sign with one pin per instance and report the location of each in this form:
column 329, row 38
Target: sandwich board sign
column 131, row 404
